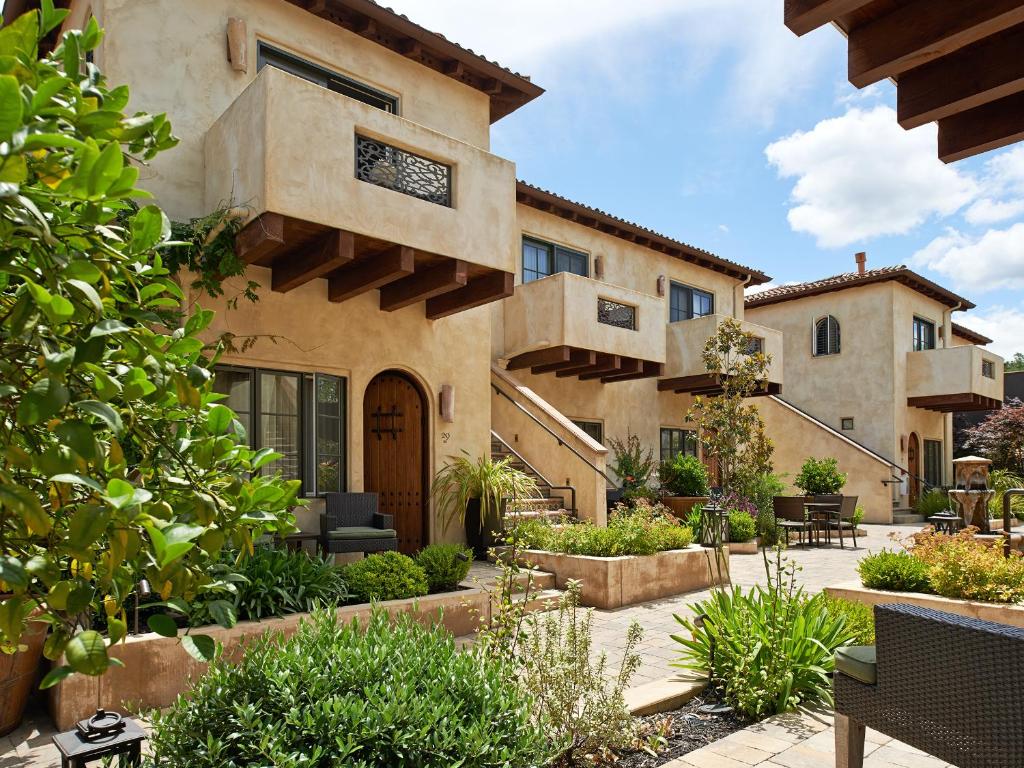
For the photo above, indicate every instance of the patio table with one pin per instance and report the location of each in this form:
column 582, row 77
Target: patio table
column 945, row 522
column 820, row 513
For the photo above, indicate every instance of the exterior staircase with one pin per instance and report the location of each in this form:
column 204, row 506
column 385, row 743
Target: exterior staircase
column 905, row 515
column 549, row 506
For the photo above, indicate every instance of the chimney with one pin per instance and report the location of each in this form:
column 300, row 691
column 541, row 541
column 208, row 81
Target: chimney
column 861, row 259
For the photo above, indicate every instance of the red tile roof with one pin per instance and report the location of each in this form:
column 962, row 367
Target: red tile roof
column 972, row 336
column 587, row 216
column 899, row 274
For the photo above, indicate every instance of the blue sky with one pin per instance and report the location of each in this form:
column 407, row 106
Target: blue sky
column 709, row 121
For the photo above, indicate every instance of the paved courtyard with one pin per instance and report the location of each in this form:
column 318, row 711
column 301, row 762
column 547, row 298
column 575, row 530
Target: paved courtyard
column 791, row 741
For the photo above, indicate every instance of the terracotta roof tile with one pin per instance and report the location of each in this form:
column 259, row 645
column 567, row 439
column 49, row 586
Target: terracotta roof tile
column 972, row 336
column 899, row 273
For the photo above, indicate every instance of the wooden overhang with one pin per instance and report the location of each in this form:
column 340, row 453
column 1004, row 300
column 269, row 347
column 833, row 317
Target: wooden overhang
column 507, row 90
column 957, row 403
column 586, row 365
column 584, row 215
column 298, row 251
column 709, row 385
column 957, row 62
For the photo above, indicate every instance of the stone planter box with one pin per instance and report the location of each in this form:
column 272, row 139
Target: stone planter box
column 681, row 506
column 612, row 582
column 744, row 547
column 156, row 669
column 999, row 612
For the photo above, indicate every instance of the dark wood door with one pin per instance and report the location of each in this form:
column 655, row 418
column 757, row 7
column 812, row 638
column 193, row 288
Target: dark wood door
column 913, row 464
column 394, row 456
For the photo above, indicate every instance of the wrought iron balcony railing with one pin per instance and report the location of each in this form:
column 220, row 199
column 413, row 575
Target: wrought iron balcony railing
column 614, row 313
column 406, row 172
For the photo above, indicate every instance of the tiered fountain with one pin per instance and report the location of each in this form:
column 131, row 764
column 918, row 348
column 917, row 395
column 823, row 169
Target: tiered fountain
column 971, row 494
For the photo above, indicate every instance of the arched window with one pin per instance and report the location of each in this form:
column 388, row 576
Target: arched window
column 826, row 336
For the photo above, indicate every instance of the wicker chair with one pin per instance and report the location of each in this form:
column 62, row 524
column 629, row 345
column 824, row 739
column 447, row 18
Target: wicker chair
column 847, row 510
column 943, row 683
column 351, row 523
column 789, row 514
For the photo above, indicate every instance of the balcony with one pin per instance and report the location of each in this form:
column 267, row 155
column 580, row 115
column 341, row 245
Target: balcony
column 966, row 378
column 575, row 326
column 362, row 198
column 685, row 369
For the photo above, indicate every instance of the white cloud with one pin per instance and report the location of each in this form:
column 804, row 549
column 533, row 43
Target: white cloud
column 993, row 260
column 1004, row 325
column 765, row 64
column 989, row 211
column 860, row 176
column 723, row 228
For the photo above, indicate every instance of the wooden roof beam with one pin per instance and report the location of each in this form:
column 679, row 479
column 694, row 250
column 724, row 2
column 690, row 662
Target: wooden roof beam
column 801, row 16
column 331, row 251
column 477, row 292
column 260, row 238
column 647, row 369
column 627, row 365
column 577, row 358
column 420, row 286
column 603, row 364
column 368, row 274
column 978, row 130
column 546, row 356
column 968, row 78
column 922, row 31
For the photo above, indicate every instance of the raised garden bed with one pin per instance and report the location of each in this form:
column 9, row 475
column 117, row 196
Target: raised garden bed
column 612, row 582
column 744, row 547
column 681, row 506
column 156, row 669
column 999, row 612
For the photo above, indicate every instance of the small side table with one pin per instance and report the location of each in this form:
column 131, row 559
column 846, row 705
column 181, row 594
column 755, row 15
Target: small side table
column 947, row 523
column 296, row 541
column 78, row 747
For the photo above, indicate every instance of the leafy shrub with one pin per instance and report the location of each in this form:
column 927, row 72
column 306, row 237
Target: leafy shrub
column 932, row 503
column 445, row 565
column 632, row 464
column 858, row 516
column 380, row 694
column 820, row 476
column 578, row 699
column 771, row 649
column 894, row 572
column 672, row 537
column 962, row 567
column 761, row 488
column 860, row 619
column 1000, row 481
column 587, row 539
column 742, row 527
column 385, row 576
column 642, row 494
column 684, row 476
column 274, row 582
column 531, row 534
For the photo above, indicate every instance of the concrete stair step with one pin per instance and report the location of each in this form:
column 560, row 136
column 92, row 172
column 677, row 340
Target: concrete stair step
column 544, row 600
column 906, row 518
column 538, row 580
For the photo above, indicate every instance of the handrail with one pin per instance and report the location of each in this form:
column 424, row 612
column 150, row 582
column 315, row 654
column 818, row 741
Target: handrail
column 546, row 428
column 514, row 452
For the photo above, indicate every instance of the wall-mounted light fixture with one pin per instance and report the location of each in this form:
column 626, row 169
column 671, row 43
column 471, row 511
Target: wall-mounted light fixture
column 447, row 401
column 599, row 267
column 238, row 45
column 661, row 285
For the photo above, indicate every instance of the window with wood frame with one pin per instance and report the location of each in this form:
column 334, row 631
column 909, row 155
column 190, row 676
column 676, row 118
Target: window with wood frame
column 675, row 441
column 924, row 334
column 686, row 302
column 826, row 336
column 933, row 463
column 302, row 416
column 594, row 429
column 541, row 259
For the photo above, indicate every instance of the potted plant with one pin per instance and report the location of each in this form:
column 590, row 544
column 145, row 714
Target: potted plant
column 473, row 492
column 684, row 479
column 820, row 477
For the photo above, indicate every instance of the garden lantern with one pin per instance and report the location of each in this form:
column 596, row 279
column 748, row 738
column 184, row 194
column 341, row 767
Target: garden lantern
column 714, row 525
column 104, row 735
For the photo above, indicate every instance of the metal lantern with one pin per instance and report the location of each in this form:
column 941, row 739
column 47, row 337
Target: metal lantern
column 714, row 525
column 105, row 734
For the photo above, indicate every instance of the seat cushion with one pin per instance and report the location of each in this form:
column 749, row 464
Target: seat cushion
column 858, row 662
column 362, row 532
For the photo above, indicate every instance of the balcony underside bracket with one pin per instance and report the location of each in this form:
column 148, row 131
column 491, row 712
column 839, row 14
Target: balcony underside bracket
column 960, row 402
column 708, row 385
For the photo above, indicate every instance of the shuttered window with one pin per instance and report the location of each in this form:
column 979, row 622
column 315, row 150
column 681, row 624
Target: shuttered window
column 826, row 336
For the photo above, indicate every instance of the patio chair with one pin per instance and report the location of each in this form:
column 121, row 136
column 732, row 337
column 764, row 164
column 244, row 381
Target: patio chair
column 351, row 523
column 964, row 710
column 789, row 515
column 847, row 509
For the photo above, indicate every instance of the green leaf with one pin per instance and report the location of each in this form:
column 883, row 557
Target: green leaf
column 20, row 37
column 72, row 60
column 162, row 624
column 45, row 399
column 218, row 419
column 106, row 170
column 86, row 526
column 102, row 411
column 87, row 653
column 119, row 493
column 10, row 105
column 50, row 17
column 200, row 647
column 14, row 169
column 107, row 327
column 51, row 141
column 73, row 479
column 223, row 613
column 54, row 676
column 83, row 270
column 149, row 227
column 26, row 504
column 78, row 436
column 88, row 292
column 116, row 629
column 13, row 573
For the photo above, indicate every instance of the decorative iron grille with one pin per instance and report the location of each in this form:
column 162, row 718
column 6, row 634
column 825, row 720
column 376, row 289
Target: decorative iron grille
column 619, row 315
column 406, row 172
column 755, row 345
column 988, row 369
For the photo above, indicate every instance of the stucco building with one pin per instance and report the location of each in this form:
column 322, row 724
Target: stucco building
column 418, row 302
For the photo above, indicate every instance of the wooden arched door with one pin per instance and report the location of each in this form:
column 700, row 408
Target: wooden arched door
column 394, row 454
column 914, row 465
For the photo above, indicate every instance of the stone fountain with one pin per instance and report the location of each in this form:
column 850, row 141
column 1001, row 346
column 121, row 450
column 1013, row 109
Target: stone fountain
column 971, row 493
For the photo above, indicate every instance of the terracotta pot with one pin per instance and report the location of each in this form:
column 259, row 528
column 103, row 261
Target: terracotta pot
column 18, row 675
column 682, row 506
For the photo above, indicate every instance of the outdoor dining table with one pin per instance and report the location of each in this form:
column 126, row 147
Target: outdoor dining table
column 820, row 513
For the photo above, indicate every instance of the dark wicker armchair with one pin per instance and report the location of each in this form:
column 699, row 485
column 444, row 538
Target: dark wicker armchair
column 943, row 683
column 351, row 523
column 790, row 515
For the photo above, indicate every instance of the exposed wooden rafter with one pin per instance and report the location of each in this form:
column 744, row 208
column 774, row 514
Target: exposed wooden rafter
column 260, row 237
column 801, row 16
column 477, row 292
column 333, row 250
column 368, row 274
column 959, row 402
column 602, row 364
column 647, row 369
column 981, row 129
column 627, row 365
column 545, row 356
column 578, row 358
column 432, row 281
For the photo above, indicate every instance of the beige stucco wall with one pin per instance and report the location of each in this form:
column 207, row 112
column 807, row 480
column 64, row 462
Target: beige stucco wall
column 686, row 340
column 302, row 331
column 255, row 159
column 173, row 55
